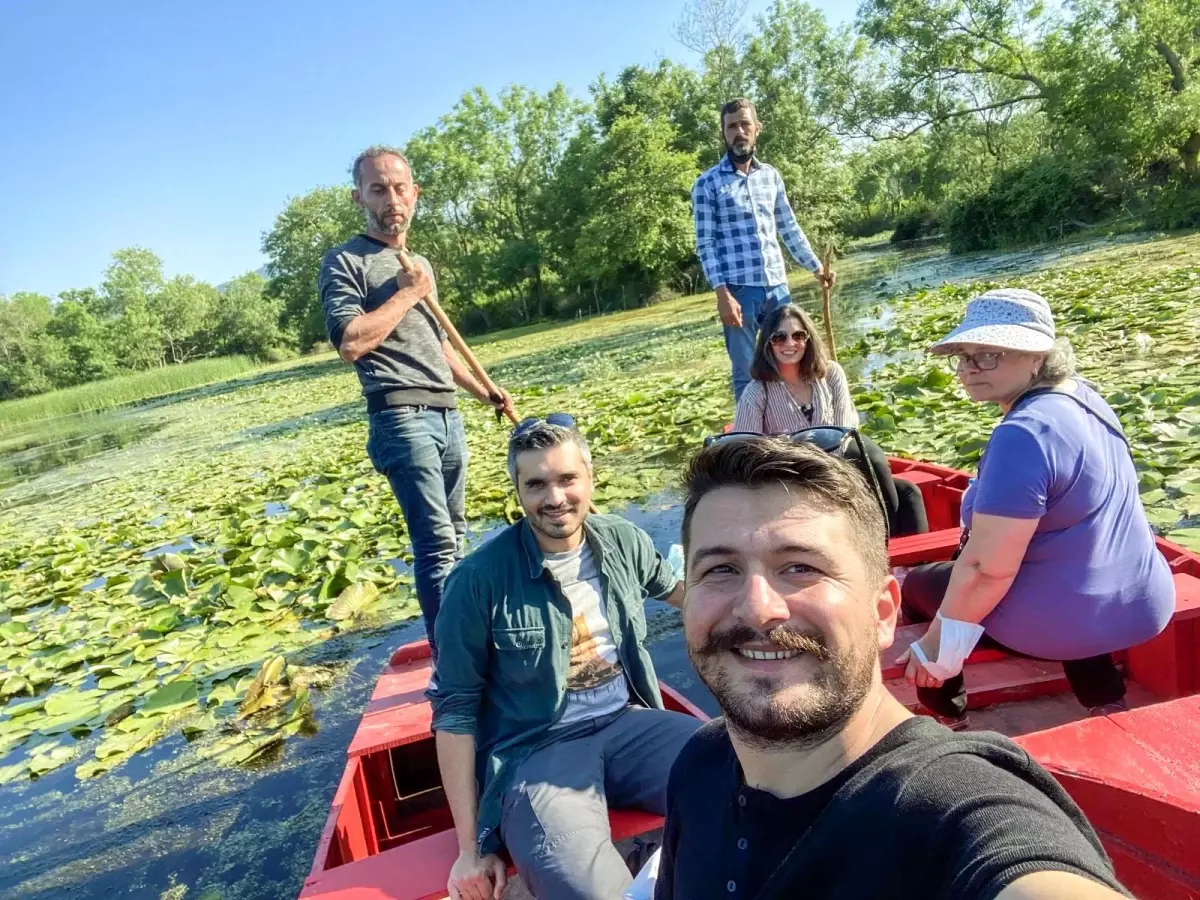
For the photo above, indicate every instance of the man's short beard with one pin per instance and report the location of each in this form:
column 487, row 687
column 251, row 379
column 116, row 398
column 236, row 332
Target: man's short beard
column 374, row 223
column 736, row 156
column 551, row 531
column 835, row 694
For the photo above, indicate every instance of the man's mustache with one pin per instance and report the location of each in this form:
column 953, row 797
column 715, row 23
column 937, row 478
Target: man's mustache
column 783, row 637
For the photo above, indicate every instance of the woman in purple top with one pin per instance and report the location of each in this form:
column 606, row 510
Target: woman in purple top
column 1059, row 560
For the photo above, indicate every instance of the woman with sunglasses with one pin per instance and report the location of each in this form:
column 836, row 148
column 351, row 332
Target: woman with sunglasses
column 794, row 385
column 1058, row 561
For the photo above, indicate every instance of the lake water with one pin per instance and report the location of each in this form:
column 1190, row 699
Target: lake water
column 165, row 825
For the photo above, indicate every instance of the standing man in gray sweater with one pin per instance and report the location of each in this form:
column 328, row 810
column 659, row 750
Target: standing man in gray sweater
column 377, row 320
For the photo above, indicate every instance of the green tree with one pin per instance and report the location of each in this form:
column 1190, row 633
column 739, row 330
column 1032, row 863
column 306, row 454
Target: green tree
column 483, row 170
column 794, row 66
column 956, row 58
column 638, row 225
column 308, row 227
column 716, row 30
column 1129, row 78
column 186, row 309
column 671, row 92
column 27, row 353
column 126, row 301
column 87, row 350
column 247, row 319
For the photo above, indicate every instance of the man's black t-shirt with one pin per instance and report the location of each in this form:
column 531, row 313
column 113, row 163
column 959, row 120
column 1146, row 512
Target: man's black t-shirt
column 926, row 813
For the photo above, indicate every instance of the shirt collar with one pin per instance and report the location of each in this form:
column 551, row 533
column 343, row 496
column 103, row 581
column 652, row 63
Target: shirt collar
column 537, row 559
column 727, row 164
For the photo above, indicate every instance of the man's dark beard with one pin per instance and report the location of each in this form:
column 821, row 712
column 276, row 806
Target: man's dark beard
column 738, row 156
column 841, row 685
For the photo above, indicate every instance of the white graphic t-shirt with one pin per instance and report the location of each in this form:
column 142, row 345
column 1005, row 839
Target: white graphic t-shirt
column 596, row 682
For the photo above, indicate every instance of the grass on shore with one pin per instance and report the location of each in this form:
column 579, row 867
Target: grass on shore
column 133, row 387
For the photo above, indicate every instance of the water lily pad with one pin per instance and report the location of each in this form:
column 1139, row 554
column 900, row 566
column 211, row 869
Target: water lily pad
column 43, row 763
column 169, row 562
column 16, row 710
column 171, row 696
column 352, row 600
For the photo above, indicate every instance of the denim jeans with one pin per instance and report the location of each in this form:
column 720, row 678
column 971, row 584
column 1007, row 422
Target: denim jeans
column 756, row 302
column 555, row 820
column 422, row 451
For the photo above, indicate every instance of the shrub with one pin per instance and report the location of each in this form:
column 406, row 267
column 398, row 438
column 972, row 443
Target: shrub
column 1043, row 200
column 1176, row 204
column 918, row 222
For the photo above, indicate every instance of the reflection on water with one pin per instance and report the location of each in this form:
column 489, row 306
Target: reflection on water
column 45, row 447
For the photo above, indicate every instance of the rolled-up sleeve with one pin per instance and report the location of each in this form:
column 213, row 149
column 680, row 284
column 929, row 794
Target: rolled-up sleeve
column 341, row 294
column 462, row 633
column 790, row 231
column 704, row 213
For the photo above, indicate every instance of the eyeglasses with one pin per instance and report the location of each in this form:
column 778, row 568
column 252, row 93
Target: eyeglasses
column 780, row 337
column 985, row 361
column 563, row 420
column 831, row 439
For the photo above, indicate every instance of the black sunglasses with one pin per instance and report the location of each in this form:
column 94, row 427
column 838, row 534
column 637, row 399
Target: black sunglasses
column 561, row 419
column 832, row 439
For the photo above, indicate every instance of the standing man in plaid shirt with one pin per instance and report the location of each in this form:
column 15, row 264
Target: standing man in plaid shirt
column 741, row 211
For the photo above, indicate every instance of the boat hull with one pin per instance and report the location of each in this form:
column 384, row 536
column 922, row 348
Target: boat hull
column 389, row 833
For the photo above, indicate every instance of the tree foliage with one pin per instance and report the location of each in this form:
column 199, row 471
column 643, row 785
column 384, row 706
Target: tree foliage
column 307, row 227
column 135, row 320
column 995, row 121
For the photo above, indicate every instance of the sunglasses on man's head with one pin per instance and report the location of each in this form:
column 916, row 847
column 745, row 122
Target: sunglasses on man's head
column 780, row 337
column 832, row 439
column 563, row 420
column 829, row 438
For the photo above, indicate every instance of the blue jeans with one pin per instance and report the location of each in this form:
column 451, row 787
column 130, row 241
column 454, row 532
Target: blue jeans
column 422, row 451
column 756, row 302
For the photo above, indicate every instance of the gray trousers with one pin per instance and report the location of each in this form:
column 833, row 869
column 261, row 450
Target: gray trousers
column 555, row 819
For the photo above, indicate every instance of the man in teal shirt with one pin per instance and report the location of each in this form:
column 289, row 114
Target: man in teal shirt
column 546, row 706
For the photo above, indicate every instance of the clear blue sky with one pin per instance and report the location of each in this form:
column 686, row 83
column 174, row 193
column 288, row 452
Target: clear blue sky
column 184, row 127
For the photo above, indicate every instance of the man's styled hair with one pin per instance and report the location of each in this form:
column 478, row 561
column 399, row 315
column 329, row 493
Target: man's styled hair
column 374, row 152
column 543, row 436
column 826, row 482
column 734, row 105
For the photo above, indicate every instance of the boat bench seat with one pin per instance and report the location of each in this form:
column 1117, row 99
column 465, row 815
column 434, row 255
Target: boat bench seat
column 1169, row 664
column 992, row 676
column 933, row 546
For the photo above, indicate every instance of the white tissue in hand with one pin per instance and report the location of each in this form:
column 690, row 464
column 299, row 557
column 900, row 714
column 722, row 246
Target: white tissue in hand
column 675, row 561
column 643, row 886
column 958, row 639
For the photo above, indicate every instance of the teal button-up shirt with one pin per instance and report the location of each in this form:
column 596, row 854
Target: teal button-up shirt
column 504, row 646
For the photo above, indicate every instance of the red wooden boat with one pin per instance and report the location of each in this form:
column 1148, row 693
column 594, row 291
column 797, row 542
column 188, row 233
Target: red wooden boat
column 1136, row 774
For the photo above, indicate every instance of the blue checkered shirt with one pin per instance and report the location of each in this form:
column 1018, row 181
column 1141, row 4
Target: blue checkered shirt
column 739, row 219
